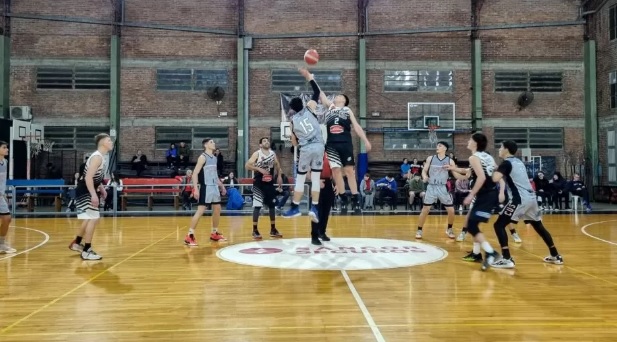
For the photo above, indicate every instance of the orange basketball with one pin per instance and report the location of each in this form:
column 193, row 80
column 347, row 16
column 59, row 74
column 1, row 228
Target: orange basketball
column 311, row 57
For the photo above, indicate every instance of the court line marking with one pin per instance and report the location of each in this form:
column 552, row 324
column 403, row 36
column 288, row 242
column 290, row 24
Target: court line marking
column 365, row 312
column 431, row 325
column 584, row 231
column 4, row 330
column 566, row 266
column 31, row 248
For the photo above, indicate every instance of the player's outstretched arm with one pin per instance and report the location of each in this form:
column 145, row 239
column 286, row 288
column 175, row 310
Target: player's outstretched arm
column 359, row 131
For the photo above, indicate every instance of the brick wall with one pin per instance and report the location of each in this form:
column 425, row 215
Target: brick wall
column 145, row 50
column 34, row 38
column 534, row 44
column 606, row 51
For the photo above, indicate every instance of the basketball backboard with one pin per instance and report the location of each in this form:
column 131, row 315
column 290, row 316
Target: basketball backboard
column 422, row 115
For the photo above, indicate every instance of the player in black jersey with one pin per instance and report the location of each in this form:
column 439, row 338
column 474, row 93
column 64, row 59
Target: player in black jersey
column 339, row 147
column 264, row 163
column 484, row 190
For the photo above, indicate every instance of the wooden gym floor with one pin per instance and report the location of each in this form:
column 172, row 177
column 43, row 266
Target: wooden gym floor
column 149, row 287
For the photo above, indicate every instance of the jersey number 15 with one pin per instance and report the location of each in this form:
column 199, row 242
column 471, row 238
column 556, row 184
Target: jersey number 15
column 307, row 126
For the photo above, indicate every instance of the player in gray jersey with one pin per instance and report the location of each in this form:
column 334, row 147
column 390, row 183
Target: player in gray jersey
column 5, row 213
column 483, row 192
column 522, row 204
column 308, row 138
column 436, row 176
column 207, row 190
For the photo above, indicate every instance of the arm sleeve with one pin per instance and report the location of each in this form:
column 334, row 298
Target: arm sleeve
column 315, row 91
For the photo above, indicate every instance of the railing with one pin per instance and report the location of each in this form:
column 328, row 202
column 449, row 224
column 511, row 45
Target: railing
column 158, row 195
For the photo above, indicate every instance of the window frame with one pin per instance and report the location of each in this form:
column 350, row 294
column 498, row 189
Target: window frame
column 212, row 78
column 521, row 81
column 77, row 140
column 405, row 137
column 524, row 137
column 416, row 76
column 81, row 78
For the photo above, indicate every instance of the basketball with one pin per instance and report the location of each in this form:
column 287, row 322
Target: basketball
column 311, row 57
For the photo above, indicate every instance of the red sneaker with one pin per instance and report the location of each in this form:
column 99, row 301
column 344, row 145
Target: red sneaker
column 190, row 241
column 216, row 236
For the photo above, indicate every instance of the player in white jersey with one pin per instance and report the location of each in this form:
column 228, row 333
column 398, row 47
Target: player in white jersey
column 483, row 190
column 522, row 204
column 5, row 213
column 207, row 190
column 308, row 138
column 87, row 197
column 436, row 175
column 263, row 163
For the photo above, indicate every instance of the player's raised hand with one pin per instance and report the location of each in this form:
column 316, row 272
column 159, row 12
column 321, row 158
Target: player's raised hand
column 304, row 72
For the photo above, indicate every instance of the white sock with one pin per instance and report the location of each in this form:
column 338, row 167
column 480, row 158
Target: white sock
column 214, row 230
column 191, row 231
column 487, row 247
column 476, row 248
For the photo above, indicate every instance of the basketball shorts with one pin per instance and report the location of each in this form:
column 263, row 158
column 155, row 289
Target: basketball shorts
column 310, row 158
column 340, row 154
column 264, row 193
column 437, row 192
column 4, row 206
column 527, row 211
column 85, row 209
column 483, row 205
column 209, row 194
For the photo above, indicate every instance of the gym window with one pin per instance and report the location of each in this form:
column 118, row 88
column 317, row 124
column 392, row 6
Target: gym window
column 190, row 79
column 73, row 138
column 541, row 82
column 192, row 136
column 612, row 80
column 290, row 81
column 418, row 80
column 413, row 140
column 534, row 138
column 75, row 78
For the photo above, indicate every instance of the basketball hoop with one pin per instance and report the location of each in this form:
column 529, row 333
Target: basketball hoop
column 47, row 145
column 432, row 134
column 37, row 145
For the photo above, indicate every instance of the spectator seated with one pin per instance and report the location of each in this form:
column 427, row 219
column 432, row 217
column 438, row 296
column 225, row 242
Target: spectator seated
column 37, row 188
column 150, row 188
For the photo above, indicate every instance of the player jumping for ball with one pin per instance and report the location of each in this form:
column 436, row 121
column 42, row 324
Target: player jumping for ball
column 306, row 135
column 339, row 146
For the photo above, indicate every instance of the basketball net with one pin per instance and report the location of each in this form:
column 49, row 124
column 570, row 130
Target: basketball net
column 432, row 134
column 37, row 147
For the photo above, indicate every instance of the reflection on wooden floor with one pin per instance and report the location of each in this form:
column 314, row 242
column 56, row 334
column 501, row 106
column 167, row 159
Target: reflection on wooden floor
column 149, row 287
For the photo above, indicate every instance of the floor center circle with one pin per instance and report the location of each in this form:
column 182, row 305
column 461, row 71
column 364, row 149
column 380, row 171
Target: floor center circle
column 338, row 254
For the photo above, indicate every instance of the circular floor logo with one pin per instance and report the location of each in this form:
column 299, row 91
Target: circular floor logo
column 338, row 254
